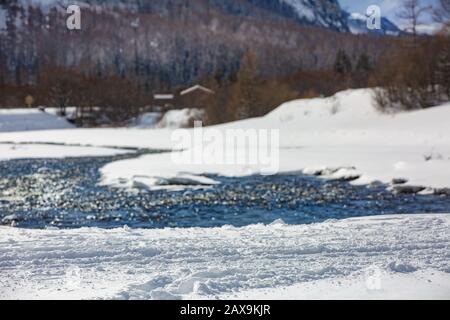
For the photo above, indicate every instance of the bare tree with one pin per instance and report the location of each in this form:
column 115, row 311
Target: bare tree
column 443, row 69
column 412, row 12
column 442, row 13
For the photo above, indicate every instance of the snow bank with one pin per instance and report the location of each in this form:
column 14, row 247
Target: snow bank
column 35, row 151
column 18, row 121
column 379, row 257
column 172, row 119
column 344, row 135
column 109, row 137
column 148, row 120
column 30, row 119
column 180, row 118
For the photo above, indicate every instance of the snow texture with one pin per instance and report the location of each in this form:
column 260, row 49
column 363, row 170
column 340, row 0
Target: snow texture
column 380, row 257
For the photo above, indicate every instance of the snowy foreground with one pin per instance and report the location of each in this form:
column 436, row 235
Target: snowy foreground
column 389, row 257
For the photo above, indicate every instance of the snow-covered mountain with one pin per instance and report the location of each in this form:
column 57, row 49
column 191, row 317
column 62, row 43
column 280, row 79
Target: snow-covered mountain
column 175, row 41
column 320, row 13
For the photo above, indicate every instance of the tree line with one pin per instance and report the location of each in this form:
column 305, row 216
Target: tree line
column 111, row 68
column 416, row 74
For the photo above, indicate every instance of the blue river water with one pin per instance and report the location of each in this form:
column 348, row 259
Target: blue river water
column 64, row 193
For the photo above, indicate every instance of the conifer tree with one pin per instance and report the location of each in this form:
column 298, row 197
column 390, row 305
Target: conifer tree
column 342, row 64
column 443, row 70
column 362, row 70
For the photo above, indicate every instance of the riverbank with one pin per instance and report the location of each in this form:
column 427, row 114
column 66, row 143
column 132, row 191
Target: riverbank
column 343, row 135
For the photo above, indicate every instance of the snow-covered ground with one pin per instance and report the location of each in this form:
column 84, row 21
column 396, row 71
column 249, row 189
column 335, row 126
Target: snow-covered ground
column 343, row 136
column 12, row 120
column 24, row 120
column 37, row 151
column 419, row 285
column 380, row 257
column 344, row 131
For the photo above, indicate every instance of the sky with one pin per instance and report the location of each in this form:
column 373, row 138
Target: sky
column 388, row 7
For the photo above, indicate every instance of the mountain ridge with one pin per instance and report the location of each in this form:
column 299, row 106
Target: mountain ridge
column 165, row 43
column 318, row 13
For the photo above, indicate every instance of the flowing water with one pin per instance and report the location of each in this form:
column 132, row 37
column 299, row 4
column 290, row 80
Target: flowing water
column 64, row 193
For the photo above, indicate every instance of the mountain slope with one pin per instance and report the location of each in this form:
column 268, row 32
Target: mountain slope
column 175, row 42
column 320, row 13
